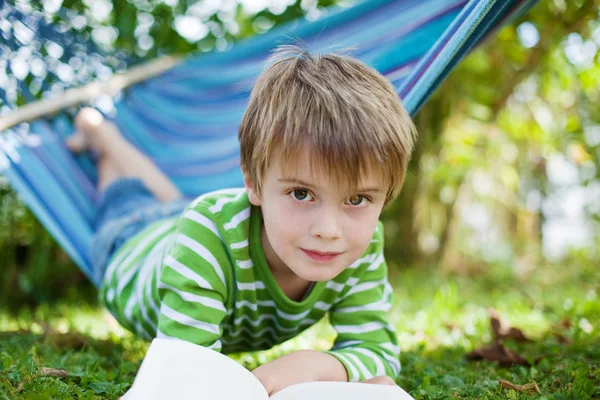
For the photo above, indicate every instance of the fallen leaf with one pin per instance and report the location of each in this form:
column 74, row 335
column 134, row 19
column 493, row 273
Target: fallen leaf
column 450, row 326
column 19, row 332
column 497, row 352
column 528, row 387
column 502, row 330
column 562, row 339
column 69, row 340
column 565, row 323
column 58, row 373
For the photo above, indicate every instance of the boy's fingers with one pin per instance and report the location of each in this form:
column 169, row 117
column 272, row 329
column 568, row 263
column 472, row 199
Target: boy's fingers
column 77, row 142
column 380, row 380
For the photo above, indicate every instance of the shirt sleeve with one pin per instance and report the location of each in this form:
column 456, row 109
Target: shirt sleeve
column 193, row 285
column 367, row 344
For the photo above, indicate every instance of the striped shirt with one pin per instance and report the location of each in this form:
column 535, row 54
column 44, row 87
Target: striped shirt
column 203, row 278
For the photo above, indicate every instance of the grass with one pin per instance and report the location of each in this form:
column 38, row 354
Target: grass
column 439, row 319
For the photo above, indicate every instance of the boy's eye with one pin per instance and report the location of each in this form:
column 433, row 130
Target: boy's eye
column 358, row 200
column 301, row 195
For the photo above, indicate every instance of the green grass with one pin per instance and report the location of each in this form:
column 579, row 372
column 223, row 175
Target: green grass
column 439, row 319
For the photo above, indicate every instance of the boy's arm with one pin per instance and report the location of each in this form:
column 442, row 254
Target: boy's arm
column 193, row 284
column 298, row 367
column 306, row 366
column 367, row 344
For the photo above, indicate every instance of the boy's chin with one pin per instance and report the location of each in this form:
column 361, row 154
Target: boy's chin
column 317, row 273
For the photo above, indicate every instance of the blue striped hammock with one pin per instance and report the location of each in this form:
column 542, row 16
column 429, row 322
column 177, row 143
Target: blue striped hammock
column 186, row 119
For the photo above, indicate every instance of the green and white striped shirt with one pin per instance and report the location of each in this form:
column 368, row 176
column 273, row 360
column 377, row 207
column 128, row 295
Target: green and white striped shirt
column 203, row 278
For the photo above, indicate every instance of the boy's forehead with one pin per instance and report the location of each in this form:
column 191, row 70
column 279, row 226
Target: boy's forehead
column 302, row 169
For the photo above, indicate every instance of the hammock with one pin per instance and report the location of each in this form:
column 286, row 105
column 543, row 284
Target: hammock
column 186, row 119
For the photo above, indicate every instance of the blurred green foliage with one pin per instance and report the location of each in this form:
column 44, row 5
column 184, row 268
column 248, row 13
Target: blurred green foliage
column 489, row 135
column 34, row 268
column 520, row 110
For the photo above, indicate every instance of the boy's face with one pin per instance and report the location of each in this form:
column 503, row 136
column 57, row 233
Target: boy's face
column 312, row 230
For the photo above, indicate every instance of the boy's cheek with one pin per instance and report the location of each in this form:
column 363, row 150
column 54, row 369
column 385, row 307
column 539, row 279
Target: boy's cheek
column 285, row 232
column 286, row 222
column 282, row 230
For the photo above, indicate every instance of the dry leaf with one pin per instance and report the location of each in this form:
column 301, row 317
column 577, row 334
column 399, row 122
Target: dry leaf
column 450, row 326
column 562, row 339
column 6, row 334
column 528, row 387
column 497, row 352
column 502, row 330
column 58, row 373
column 69, row 340
column 565, row 323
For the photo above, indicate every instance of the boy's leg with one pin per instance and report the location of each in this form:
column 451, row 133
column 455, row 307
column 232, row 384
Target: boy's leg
column 117, row 157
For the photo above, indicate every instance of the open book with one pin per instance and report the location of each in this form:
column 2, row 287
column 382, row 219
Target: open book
column 180, row 370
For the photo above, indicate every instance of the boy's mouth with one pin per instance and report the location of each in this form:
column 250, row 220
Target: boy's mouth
column 320, row 256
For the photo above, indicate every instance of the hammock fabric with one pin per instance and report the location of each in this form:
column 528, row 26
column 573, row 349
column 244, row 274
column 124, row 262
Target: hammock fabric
column 186, row 119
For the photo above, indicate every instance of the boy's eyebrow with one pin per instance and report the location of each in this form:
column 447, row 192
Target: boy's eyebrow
column 301, row 182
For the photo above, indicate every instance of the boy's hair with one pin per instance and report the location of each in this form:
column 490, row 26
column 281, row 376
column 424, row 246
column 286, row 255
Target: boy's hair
column 348, row 115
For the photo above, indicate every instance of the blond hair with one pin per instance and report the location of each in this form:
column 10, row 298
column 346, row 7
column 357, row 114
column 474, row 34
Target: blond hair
column 348, row 115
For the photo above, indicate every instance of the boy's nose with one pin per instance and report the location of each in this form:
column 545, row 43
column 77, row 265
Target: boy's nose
column 326, row 225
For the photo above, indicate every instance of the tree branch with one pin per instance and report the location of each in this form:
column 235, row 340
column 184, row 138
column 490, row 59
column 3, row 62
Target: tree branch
column 534, row 59
column 74, row 96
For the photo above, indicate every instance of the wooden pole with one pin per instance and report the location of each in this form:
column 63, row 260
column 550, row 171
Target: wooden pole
column 74, row 96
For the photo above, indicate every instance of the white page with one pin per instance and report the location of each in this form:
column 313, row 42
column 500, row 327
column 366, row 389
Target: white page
column 174, row 369
column 341, row 391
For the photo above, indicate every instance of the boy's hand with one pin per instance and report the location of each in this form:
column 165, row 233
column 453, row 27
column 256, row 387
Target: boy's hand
column 306, row 366
column 380, row 380
column 300, row 366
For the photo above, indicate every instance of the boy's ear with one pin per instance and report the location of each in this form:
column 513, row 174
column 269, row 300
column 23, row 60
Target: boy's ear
column 249, row 184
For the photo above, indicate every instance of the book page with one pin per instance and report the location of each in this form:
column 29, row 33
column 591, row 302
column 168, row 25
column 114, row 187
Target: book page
column 342, row 391
column 174, row 369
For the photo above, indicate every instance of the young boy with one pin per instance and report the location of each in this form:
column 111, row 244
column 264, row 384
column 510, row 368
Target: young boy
column 325, row 144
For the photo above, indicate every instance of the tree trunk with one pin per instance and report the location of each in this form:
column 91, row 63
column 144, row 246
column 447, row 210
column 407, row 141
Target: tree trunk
column 404, row 246
column 401, row 230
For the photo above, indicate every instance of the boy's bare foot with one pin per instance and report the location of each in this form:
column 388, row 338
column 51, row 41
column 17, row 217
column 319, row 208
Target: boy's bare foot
column 117, row 157
column 90, row 133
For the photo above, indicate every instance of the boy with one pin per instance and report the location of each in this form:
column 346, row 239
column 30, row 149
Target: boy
column 325, row 144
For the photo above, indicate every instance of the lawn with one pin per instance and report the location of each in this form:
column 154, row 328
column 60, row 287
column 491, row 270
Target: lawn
column 66, row 351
